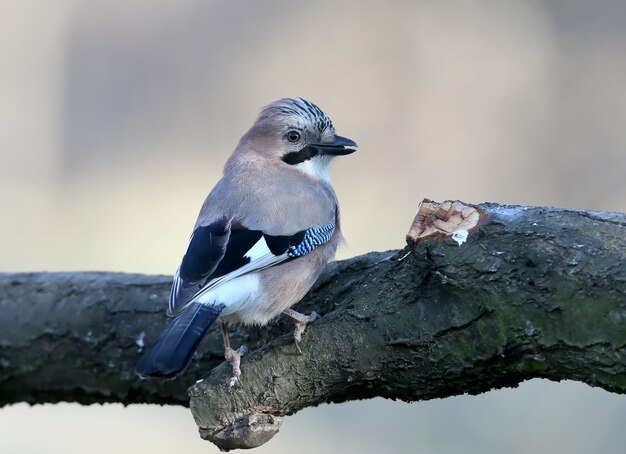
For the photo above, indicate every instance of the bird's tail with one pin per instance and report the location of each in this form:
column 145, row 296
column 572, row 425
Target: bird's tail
column 174, row 348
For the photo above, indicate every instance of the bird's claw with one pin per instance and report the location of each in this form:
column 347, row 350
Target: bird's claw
column 300, row 326
column 233, row 357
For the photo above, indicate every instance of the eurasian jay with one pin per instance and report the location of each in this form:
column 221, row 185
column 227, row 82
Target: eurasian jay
column 263, row 236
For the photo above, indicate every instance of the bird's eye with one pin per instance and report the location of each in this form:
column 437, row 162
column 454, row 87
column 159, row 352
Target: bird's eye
column 293, row 136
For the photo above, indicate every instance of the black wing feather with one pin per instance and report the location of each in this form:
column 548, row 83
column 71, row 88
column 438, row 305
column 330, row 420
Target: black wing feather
column 240, row 242
column 280, row 244
column 205, row 251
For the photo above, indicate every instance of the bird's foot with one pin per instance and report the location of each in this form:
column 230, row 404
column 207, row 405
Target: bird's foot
column 301, row 323
column 233, row 357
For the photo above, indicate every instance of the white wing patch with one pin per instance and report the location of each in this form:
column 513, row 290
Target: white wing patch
column 260, row 258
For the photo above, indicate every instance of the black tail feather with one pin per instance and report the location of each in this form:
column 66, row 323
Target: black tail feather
column 173, row 350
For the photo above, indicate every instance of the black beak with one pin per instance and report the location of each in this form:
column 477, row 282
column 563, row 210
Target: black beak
column 337, row 147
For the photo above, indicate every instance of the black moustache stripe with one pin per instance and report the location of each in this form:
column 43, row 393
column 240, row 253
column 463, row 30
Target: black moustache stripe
column 296, row 157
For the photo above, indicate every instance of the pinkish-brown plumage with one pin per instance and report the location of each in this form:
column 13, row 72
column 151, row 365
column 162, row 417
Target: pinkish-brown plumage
column 263, row 235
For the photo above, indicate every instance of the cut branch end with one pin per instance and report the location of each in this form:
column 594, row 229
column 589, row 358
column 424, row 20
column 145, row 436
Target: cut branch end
column 451, row 218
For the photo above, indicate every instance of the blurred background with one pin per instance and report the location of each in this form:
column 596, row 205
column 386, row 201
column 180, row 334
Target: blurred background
column 116, row 118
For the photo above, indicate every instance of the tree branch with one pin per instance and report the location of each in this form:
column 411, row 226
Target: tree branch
column 535, row 292
column 76, row 337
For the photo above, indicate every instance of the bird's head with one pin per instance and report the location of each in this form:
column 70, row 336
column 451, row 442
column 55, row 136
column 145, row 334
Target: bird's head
column 297, row 133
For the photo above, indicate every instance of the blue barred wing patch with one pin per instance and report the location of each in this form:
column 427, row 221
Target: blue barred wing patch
column 313, row 237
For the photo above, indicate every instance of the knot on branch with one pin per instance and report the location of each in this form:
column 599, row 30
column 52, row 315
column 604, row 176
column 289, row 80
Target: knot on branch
column 248, row 431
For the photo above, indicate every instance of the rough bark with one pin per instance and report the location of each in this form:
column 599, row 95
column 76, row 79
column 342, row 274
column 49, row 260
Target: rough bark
column 75, row 337
column 535, row 292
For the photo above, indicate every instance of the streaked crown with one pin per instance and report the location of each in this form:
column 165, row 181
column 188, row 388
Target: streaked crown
column 295, row 132
column 300, row 112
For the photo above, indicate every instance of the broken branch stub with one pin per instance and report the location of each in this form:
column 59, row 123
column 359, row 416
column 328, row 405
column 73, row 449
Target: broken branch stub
column 451, row 218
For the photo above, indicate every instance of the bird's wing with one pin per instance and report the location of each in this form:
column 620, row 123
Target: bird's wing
column 223, row 250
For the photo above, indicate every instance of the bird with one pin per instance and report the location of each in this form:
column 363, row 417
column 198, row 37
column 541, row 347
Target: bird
column 263, row 236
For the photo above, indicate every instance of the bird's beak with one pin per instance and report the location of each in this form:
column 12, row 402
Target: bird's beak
column 338, row 147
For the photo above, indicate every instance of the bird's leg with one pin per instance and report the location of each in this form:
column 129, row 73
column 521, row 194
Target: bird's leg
column 301, row 322
column 233, row 357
